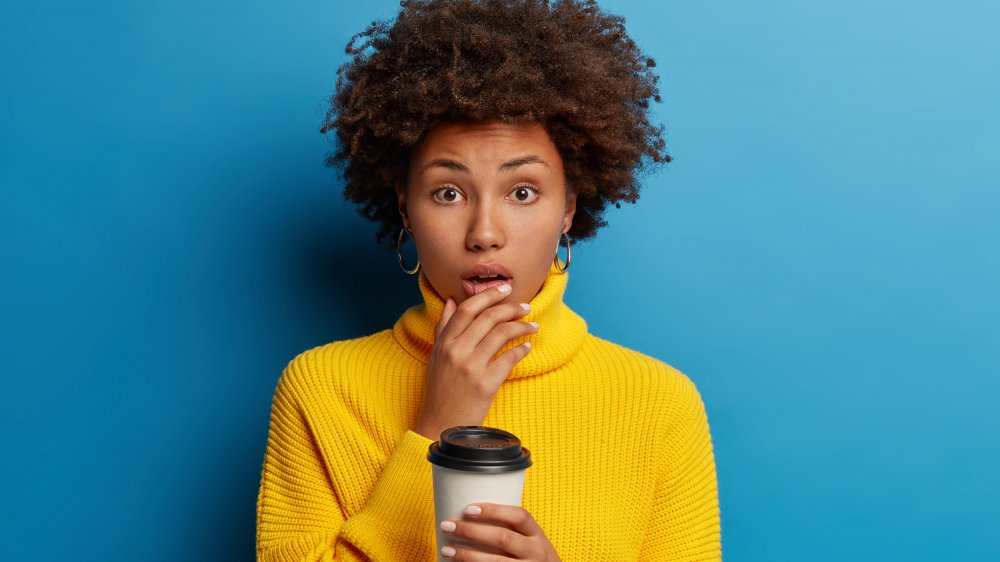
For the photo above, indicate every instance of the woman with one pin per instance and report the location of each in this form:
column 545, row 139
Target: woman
column 487, row 131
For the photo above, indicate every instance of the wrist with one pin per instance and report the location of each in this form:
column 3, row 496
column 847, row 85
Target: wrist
column 428, row 430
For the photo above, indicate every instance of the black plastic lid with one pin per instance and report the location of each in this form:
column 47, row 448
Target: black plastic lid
column 475, row 448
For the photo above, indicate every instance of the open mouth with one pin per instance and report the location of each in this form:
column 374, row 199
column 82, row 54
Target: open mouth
column 484, row 277
column 480, row 279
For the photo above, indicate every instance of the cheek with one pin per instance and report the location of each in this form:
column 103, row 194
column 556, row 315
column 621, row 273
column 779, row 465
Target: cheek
column 435, row 238
column 536, row 244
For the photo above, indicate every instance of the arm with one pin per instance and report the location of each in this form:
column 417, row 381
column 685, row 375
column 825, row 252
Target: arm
column 301, row 517
column 685, row 519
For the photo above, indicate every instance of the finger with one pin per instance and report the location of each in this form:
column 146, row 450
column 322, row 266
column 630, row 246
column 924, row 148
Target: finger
column 449, row 310
column 486, row 323
column 493, row 537
column 503, row 365
column 466, row 553
column 471, row 308
column 516, row 517
column 501, row 334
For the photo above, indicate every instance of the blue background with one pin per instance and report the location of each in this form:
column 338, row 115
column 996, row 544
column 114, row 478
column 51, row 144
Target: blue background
column 820, row 258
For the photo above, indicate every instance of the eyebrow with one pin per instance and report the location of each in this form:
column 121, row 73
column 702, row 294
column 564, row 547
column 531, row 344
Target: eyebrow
column 505, row 167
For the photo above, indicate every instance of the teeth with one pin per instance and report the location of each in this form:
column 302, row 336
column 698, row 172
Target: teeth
column 485, row 278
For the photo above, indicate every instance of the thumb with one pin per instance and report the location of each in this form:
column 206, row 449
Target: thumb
column 449, row 309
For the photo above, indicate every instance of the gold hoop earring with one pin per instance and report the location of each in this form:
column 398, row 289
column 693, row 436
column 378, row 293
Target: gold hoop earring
column 569, row 257
column 399, row 252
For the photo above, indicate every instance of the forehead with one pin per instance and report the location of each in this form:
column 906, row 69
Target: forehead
column 486, row 142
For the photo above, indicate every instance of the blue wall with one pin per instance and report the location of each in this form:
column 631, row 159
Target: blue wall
column 821, row 259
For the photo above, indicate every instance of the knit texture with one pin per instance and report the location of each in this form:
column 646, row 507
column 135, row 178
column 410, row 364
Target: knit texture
column 623, row 467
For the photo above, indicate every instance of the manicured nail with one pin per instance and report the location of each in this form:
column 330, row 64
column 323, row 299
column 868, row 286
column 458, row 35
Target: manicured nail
column 534, row 324
column 526, row 307
column 505, row 288
column 448, row 526
column 527, row 345
column 474, row 509
column 447, row 551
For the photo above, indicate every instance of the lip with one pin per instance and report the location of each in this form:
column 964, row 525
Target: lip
column 491, row 268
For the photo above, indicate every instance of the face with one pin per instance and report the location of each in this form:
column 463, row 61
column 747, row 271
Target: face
column 485, row 199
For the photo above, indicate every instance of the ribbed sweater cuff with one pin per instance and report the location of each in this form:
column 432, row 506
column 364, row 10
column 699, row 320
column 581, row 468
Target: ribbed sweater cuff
column 398, row 521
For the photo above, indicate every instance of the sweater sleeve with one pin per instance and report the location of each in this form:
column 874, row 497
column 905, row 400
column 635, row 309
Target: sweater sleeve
column 300, row 516
column 685, row 519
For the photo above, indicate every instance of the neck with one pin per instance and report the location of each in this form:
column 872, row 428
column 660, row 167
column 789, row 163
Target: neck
column 560, row 330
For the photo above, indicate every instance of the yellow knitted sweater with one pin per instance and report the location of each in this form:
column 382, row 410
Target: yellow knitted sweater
column 623, row 462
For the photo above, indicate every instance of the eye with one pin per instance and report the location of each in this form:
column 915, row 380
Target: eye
column 524, row 194
column 448, row 195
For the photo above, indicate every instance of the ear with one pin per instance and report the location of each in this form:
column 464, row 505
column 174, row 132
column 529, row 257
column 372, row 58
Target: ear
column 567, row 221
column 401, row 202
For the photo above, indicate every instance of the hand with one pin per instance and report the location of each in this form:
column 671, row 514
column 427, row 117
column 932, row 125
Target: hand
column 506, row 528
column 462, row 377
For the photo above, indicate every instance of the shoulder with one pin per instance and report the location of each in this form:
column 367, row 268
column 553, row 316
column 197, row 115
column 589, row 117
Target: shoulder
column 666, row 387
column 625, row 361
column 322, row 369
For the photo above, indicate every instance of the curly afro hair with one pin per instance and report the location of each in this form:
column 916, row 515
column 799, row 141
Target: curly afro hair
column 565, row 64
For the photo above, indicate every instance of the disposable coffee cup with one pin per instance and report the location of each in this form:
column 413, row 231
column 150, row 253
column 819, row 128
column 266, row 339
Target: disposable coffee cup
column 475, row 464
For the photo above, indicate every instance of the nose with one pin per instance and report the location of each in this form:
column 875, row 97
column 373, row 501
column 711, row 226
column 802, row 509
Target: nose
column 485, row 229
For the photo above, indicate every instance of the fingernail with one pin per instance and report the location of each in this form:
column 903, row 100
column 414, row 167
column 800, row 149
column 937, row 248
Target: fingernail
column 534, row 324
column 474, row 509
column 505, row 288
column 447, row 551
column 447, row 526
column 527, row 345
column 526, row 307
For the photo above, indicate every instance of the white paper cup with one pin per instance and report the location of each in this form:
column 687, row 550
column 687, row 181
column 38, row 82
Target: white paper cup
column 474, row 464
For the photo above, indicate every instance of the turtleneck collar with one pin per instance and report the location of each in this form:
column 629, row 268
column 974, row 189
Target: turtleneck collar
column 560, row 335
